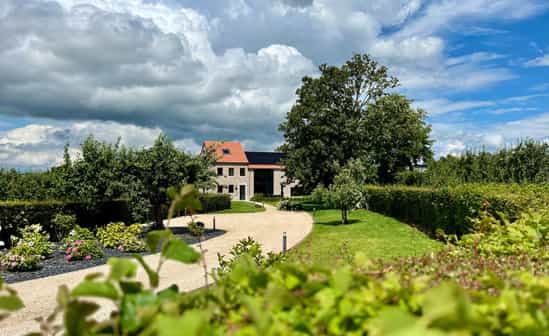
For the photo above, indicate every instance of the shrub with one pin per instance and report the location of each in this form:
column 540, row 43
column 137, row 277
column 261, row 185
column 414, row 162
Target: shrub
column 214, row 202
column 33, row 242
column 62, row 225
column 83, row 250
column 290, row 205
column 20, row 263
column 122, row 237
column 78, row 233
column 246, row 248
column 451, row 209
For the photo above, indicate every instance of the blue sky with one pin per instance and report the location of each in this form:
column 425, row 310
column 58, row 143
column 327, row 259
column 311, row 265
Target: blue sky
column 228, row 70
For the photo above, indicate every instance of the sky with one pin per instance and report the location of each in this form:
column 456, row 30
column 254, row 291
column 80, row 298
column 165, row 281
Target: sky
column 228, row 70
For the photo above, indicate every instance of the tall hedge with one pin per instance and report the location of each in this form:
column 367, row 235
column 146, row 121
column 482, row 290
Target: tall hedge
column 14, row 215
column 450, row 209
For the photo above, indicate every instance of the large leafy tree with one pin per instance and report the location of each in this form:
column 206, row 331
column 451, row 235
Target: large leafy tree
column 158, row 168
column 396, row 135
column 329, row 124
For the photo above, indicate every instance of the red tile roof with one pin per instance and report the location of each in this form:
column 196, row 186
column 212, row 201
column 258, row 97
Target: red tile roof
column 227, row 151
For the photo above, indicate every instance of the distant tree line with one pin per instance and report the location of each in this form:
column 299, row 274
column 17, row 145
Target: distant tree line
column 527, row 162
column 107, row 171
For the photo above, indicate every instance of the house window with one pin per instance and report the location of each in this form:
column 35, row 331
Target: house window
column 226, row 151
column 220, row 189
column 231, row 188
column 242, row 171
column 231, row 171
column 220, row 171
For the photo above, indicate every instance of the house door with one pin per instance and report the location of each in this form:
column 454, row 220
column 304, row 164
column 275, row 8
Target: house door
column 243, row 192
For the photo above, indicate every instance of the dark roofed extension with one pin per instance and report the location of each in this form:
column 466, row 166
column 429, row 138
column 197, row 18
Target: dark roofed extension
column 265, row 158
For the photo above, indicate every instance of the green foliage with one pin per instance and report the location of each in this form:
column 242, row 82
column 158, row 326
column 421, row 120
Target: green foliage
column 14, row 262
column 431, row 295
column 451, row 209
column 347, row 113
column 9, row 301
column 62, row 225
column 527, row 162
column 412, row 178
column 184, row 199
column 83, row 250
column 33, row 242
column 28, row 251
column 122, row 237
column 345, row 193
column 250, row 249
column 214, row 202
column 78, row 233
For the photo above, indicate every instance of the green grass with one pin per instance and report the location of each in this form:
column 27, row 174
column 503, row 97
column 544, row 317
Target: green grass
column 240, row 207
column 377, row 236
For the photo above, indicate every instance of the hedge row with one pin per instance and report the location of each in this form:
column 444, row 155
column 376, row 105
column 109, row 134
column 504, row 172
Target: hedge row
column 450, row 209
column 214, row 202
column 16, row 214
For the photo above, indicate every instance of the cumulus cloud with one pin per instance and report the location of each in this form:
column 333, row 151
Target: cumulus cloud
column 210, row 69
column 38, row 146
column 455, row 138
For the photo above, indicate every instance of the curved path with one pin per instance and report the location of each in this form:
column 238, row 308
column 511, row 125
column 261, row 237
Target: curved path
column 265, row 227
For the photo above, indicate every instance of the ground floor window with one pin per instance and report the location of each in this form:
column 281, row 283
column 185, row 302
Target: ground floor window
column 220, row 189
column 231, row 188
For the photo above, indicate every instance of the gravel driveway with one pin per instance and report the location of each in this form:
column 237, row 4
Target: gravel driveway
column 265, row 227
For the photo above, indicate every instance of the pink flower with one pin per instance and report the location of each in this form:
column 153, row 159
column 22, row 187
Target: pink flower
column 68, row 257
column 88, row 258
column 13, row 264
column 69, row 250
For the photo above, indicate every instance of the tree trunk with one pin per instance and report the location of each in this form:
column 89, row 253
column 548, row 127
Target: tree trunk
column 157, row 216
column 343, row 216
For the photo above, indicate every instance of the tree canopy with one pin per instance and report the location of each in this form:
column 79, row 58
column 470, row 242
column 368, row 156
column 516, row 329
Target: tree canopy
column 335, row 119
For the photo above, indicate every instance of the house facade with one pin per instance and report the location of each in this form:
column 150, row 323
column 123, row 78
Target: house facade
column 243, row 174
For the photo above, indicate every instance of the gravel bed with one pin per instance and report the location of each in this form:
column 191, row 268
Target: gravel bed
column 58, row 265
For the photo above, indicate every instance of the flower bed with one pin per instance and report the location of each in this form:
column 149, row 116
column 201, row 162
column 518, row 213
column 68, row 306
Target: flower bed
column 58, row 263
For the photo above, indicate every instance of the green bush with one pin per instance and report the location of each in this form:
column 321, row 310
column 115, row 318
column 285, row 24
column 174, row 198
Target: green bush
column 451, row 209
column 62, row 225
column 78, row 233
column 19, row 263
column 214, row 202
column 14, row 215
column 33, row 242
column 83, row 250
column 122, row 237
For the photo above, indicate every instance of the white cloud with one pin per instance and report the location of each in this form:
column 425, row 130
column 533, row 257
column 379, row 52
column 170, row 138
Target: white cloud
column 41, row 146
column 441, row 106
column 541, row 61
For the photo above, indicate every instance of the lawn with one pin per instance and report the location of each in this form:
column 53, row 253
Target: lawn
column 241, row 207
column 375, row 235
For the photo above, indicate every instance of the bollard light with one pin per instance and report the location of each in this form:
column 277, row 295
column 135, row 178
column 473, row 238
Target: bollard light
column 214, row 223
column 284, row 242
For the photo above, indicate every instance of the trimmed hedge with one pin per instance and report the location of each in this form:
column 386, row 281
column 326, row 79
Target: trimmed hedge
column 450, row 209
column 14, row 215
column 214, row 202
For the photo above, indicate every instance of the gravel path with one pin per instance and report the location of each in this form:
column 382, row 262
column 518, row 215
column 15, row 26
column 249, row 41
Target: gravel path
column 265, row 227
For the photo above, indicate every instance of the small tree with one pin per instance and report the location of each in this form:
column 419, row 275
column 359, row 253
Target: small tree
column 347, row 191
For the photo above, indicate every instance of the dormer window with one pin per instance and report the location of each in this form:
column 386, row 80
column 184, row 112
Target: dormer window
column 226, row 151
